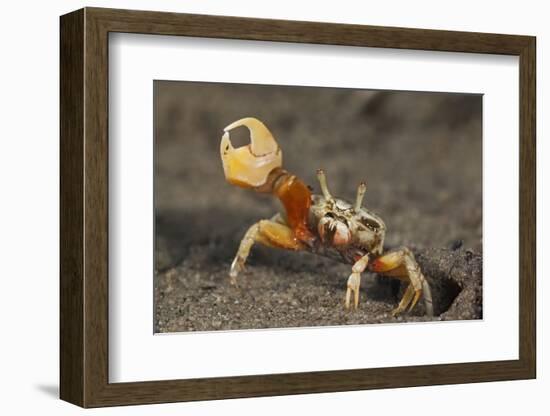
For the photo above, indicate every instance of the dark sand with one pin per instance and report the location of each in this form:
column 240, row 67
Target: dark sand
column 420, row 154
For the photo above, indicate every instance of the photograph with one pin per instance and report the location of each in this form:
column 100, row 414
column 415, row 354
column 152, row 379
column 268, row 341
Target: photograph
column 260, row 204
column 302, row 206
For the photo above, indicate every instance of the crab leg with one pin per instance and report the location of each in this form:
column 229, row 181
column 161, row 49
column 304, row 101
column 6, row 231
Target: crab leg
column 402, row 264
column 354, row 280
column 271, row 233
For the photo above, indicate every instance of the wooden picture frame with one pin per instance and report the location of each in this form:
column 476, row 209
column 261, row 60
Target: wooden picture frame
column 84, row 207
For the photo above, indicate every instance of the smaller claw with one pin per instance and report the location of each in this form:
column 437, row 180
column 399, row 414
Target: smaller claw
column 354, row 282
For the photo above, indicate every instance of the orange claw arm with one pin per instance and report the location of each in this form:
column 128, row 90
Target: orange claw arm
column 296, row 198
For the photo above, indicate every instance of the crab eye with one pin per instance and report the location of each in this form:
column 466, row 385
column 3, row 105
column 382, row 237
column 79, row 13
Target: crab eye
column 373, row 225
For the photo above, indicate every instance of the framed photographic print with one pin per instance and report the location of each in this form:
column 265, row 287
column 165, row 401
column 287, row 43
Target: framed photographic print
column 255, row 207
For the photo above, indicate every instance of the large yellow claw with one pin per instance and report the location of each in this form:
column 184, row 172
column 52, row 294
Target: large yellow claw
column 249, row 166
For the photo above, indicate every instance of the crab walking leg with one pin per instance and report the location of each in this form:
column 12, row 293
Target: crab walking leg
column 405, row 300
column 354, row 280
column 402, row 264
column 271, row 233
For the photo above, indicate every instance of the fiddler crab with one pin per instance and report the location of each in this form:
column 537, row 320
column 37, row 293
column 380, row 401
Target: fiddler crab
column 320, row 224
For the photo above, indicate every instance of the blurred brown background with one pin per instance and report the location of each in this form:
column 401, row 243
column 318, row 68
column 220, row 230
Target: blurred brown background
column 420, row 154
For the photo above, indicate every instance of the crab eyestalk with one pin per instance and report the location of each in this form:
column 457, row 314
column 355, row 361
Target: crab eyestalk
column 360, row 195
column 322, row 178
column 249, row 166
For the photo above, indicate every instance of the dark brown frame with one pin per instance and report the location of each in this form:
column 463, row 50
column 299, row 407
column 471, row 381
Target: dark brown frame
column 84, row 212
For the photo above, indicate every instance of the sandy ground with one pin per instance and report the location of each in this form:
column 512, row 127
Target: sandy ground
column 420, row 154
